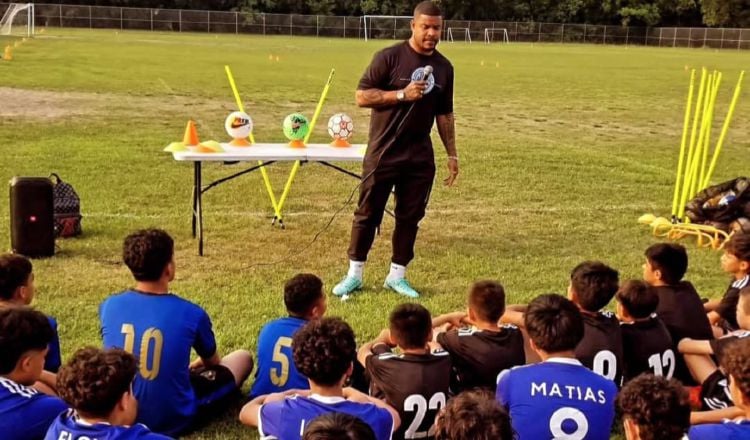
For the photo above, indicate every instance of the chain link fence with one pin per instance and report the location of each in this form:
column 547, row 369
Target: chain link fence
column 177, row 20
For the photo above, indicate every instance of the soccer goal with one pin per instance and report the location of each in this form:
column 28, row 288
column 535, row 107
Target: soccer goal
column 490, row 35
column 18, row 19
column 384, row 26
column 457, row 31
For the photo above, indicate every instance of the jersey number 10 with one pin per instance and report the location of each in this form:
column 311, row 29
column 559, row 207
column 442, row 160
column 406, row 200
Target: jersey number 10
column 151, row 334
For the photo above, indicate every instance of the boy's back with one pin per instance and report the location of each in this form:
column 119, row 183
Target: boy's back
column 727, row 308
column 287, row 419
column 478, row 356
column 25, row 413
column 647, row 347
column 276, row 370
column 68, row 427
column 558, row 398
column 417, row 386
column 160, row 330
column 681, row 309
column 600, row 350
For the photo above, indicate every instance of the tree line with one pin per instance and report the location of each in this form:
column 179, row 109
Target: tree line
column 714, row 13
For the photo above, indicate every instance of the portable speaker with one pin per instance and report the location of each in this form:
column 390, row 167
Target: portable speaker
column 32, row 220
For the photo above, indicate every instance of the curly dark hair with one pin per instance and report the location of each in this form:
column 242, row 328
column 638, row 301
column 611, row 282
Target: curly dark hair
column 739, row 246
column 554, row 323
column 14, row 273
column 94, row 380
column 22, row 329
column 670, row 259
column 736, row 363
column 338, row 426
column 474, row 415
column 301, row 293
column 147, row 252
column 594, row 284
column 324, row 350
column 660, row 407
column 638, row 298
column 410, row 325
column 487, row 299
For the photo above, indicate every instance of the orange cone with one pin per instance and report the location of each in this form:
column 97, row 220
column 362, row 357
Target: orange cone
column 191, row 135
column 8, row 55
column 341, row 143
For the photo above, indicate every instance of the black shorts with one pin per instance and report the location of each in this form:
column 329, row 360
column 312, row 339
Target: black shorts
column 715, row 392
column 212, row 385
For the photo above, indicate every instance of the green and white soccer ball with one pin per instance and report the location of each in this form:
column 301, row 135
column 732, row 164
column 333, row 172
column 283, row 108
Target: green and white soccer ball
column 296, row 127
column 341, row 126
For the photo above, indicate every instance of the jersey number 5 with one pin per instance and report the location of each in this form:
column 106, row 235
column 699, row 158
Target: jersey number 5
column 280, row 379
column 151, row 334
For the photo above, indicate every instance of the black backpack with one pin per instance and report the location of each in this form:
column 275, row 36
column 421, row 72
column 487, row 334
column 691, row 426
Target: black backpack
column 67, row 208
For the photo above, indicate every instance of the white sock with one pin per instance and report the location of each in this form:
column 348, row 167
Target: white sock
column 356, row 268
column 397, row 272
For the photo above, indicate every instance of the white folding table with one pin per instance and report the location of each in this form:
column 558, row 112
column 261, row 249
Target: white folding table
column 264, row 154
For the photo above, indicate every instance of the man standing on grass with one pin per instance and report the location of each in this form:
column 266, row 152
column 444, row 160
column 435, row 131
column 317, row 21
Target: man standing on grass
column 408, row 86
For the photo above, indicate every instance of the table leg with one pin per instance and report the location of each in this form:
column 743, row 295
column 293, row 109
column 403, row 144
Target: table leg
column 198, row 214
column 196, row 191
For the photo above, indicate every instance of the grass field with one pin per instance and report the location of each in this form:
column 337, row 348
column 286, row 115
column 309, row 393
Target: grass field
column 562, row 148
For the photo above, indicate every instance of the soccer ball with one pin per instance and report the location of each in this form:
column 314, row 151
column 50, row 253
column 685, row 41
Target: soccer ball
column 238, row 125
column 296, row 127
column 340, row 126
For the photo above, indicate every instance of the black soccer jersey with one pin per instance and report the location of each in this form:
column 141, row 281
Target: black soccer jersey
column 600, row 350
column 728, row 306
column 681, row 309
column 403, row 129
column 478, row 356
column 647, row 347
column 415, row 385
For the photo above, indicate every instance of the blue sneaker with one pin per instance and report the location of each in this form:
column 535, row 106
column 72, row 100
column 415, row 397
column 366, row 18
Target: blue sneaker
column 347, row 286
column 402, row 287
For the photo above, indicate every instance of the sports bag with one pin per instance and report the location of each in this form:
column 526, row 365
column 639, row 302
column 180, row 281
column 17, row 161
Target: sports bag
column 67, row 208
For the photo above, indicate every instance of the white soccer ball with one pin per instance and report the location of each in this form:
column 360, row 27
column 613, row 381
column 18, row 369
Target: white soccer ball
column 340, row 126
column 238, row 125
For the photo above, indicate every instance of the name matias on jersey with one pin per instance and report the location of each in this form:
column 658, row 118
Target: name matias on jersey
column 570, row 392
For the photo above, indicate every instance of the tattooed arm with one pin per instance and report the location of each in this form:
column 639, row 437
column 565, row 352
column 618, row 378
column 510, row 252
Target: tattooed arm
column 447, row 129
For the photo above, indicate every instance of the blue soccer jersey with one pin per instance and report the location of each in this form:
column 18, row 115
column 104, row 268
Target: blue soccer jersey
column 53, row 359
column 276, row 371
column 159, row 330
column 728, row 430
column 559, row 398
column 25, row 413
column 67, row 426
column 286, row 419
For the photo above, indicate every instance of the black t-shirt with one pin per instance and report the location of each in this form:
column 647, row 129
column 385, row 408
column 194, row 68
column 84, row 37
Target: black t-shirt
column 647, row 347
column 728, row 307
column 681, row 309
column 478, row 356
column 416, row 386
column 600, row 350
column 406, row 140
column 720, row 345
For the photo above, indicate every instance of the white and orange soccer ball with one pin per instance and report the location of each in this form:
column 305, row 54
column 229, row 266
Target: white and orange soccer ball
column 340, row 128
column 238, row 125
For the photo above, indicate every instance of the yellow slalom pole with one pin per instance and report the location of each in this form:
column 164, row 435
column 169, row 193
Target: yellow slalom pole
column 691, row 147
column 683, row 144
column 724, row 129
column 266, row 180
column 314, row 119
column 707, row 143
column 695, row 168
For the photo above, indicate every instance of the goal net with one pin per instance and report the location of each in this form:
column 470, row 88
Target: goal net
column 18, row 19
column 492, row 35
column 457, row 32
column 385, row 26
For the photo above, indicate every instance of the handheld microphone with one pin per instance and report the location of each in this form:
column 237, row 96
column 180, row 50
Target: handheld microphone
column 427, row 72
